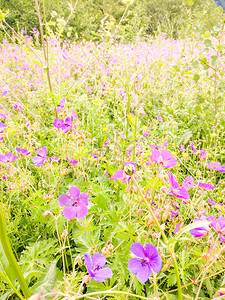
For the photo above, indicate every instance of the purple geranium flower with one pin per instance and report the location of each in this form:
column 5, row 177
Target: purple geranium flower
column 177, row 228
column 188, row 182
column 95, row 267
column 2, row 126
column 222, row 169
column 68, row 124
column 211, row 202
column 54, row 159
column 22, row 151
column 58, row 123
column 205, row 186
column 214, row 166
column 8, row 157
column 200, row 231
column 163, row 158
column 147, row 260
column 61, row 105
column 73, row 161
column 182, row 148
column 203, row 153
column 175, row 189
column 219, row 225
column 41, row 157
column 76, row 204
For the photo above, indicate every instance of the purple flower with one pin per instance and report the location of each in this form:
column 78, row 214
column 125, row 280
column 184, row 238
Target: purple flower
column 89, row 89
column 203, row 153
column 214, row 166
column 182, row 148
column 54, row 159
column 68, row 124
column 205, row 186
column 22, row 151
column 76, row 204
column 73, row 161
column 163, row 158
column 58, row 123
column 211, row 202
column 160, row 119
column 95, row 267
column 2, row 126
column 61, row 105
column 147, row 260
column 107, row 142
column 8, row 157
column 192, row 145
column 200, row 231
column 177, row 228
column 173, row 213
column 175, row 189
column 188, row 182
column 222, row 169
column 41, row 157
column 219, row 225
column 74, row 115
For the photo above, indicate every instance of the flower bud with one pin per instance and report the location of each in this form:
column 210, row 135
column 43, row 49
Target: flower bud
column 64, row 234
column 129, row 169
column 47, row 213
column 105, row 251
column 79, row 261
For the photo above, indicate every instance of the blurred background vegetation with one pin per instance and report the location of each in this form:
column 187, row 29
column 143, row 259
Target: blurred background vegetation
column 122, row 20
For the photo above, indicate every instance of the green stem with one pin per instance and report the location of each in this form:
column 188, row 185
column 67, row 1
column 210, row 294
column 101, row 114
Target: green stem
column 128, row 112
column 12, row 285
column 11, row 258
column 110, row 292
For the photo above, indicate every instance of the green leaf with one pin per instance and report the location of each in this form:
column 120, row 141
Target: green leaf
column 208, row 43
column 196, row 77
column 49, row 281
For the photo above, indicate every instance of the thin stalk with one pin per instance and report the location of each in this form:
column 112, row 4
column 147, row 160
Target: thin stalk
column 109, row 292
column 11, row 258
column 11, row 285
column 128, row 112
column 45, row 51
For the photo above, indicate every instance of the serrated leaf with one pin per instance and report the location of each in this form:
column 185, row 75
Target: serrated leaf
column 172, row 280
column 48, row 282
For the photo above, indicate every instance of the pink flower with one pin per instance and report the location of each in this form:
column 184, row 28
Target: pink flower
column 76, row 203
column 214, row 166
column 175, row 189
column 188, row 182
column 163, row 158
column 41, row 157
column 205, row 186
column 8, row 157
column 61, row 105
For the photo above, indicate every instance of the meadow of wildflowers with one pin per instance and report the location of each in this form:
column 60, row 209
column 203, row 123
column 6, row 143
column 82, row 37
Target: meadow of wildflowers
column 112, row 165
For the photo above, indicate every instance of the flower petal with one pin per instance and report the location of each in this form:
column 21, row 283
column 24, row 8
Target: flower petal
column 74, row 192
column 70, row 212
column 134, row 265
column 118, row 175
column 138, row 250
column 81, row 211
column 151, row 251
column 98, row 260
column 65, row 200
column 156, row 264
column 102, row 274
column 144, row 274
column 87, row 260
column 84, row 197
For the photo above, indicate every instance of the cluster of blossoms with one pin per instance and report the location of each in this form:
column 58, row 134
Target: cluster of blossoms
column 147, row 260
column 66, row 125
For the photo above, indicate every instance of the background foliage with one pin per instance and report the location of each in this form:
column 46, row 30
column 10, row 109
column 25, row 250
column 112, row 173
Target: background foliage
column 98, row 19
